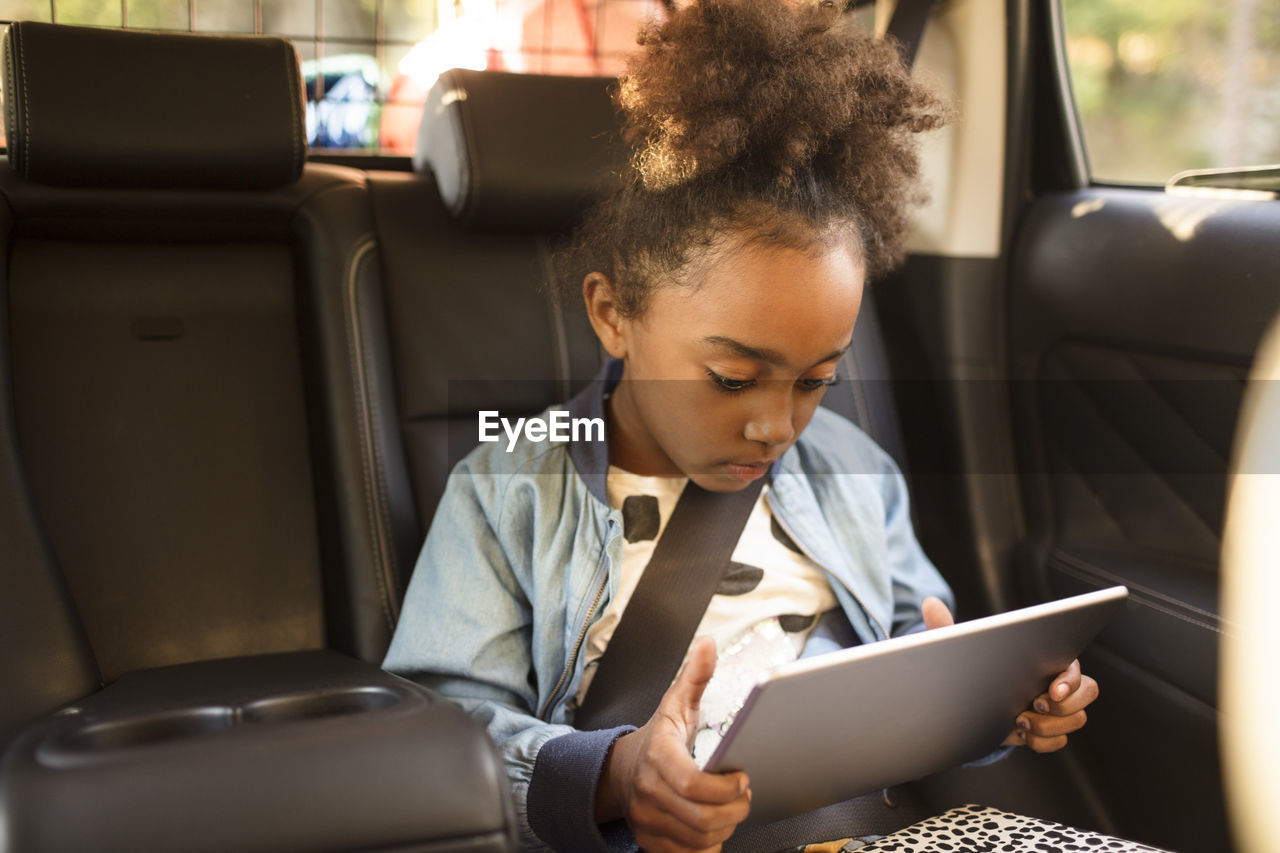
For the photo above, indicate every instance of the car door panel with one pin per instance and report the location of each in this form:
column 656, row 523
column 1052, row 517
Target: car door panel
column 1134, row 316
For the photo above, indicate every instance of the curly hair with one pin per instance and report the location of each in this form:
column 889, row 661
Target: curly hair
column 755, row 117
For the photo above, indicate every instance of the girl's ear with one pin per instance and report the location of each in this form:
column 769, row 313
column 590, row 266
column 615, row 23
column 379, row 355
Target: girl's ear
column 602, row 310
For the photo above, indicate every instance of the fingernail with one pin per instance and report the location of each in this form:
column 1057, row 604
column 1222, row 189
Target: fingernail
column 742, row 787
column 1022, row 736
column 1023, row 724
column 1042, row 706
column 1059, row 690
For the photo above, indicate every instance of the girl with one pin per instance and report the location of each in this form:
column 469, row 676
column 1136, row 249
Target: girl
column 773, row 164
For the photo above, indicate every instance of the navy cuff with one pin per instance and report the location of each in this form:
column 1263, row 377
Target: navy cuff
column 561, row 800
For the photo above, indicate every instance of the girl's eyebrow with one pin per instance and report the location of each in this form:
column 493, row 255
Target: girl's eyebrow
column 768, row 356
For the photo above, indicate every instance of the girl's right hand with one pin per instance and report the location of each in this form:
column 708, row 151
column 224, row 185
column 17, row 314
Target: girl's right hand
column 650, row 777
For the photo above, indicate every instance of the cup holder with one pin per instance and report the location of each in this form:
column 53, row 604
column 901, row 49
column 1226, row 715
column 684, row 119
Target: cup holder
column 311, row 706
column 107, row 740
column 145, row 731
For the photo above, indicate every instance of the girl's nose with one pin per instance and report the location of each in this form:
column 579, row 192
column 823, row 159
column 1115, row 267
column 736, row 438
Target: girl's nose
column 770, row 421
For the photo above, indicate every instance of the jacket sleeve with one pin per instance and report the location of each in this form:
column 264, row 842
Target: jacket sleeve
column 859, row 485
column 465, row 632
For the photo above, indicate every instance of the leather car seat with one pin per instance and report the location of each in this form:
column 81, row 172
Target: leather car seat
column 191, row 513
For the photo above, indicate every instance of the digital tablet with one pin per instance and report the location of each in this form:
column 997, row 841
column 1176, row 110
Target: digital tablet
column 827, row 728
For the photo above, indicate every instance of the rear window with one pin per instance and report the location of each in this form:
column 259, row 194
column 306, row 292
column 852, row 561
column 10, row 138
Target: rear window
column 369, row 63
column 1164, row 86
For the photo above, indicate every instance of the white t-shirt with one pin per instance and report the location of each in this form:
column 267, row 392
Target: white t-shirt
column 761, row 615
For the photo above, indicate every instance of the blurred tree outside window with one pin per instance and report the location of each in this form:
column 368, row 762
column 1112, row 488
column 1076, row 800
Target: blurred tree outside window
column 1162, row 86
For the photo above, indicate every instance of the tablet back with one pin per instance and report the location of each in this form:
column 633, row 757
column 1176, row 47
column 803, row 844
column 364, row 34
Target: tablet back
column 828, row 728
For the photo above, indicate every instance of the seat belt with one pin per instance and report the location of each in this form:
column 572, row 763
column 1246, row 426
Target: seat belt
column 907, row 26
column 654, row 633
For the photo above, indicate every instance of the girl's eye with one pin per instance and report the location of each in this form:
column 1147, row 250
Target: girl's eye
column 730, row 386
column 817, row 384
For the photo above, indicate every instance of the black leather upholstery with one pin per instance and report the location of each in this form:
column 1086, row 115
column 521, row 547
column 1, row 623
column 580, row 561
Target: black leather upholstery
column 1134, row 316
column 1106, row 353
column 521, row 152
column 231, row 279
column 77, row 115
column 192, row 469
column 172, row 354
column 308, row 751
column 468, row 330
column 46, row 660
column 159, row 431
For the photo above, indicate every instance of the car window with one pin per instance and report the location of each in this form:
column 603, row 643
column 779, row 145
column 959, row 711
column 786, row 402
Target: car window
column 1165, row 87
column 369, row 63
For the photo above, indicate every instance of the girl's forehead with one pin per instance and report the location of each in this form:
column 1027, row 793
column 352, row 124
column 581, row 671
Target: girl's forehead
column 753, row 268
column 766, row 296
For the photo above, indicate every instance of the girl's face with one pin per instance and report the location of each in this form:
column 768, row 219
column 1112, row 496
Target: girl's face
column 722, row 377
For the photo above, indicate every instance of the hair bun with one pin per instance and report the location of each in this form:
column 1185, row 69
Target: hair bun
column 764, row 84
column 756, row 116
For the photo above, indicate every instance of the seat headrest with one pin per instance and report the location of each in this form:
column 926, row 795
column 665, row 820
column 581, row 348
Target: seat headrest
column 519, row 152
column 89, row 107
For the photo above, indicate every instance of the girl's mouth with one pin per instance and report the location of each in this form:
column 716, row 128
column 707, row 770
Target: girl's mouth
column 748, row 470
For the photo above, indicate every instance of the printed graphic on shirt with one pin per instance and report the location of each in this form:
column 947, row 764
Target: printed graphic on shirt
column 740, row 579
column 781, row 535
column 794, row 623
column 640, row 518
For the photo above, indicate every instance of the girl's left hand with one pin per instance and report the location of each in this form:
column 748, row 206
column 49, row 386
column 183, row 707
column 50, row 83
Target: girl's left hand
column 1054, row 714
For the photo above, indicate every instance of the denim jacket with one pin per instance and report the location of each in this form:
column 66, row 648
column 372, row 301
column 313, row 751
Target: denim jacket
column 523, row 557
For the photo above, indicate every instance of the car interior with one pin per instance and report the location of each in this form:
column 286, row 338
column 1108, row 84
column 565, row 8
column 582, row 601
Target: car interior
column 235, row 374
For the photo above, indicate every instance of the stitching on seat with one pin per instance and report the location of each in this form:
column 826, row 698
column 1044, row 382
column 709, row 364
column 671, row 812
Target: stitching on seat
column 355, row 362
column 291, row 68
column 26, row 110
column 11, row 82
column 382, row 495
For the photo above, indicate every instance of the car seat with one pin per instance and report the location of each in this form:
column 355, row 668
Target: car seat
column 195, row 588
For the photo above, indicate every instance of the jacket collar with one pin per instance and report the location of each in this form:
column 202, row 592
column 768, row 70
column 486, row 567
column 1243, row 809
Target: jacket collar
column 591, row 458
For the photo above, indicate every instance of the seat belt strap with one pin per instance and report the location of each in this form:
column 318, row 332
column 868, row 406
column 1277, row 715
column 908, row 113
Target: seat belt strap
column 653, row 636
column 907, row 26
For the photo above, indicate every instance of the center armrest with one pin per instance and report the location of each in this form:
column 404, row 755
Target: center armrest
column 299, row 751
